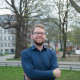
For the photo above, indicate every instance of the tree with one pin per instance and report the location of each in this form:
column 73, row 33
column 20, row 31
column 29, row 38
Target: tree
column 64, row 29
column 74, row 4
column 51, row 23
column 74, row 35
column 61, row 22
column 26, row 12
column 63, row 9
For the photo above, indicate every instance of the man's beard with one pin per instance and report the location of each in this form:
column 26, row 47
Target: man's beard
column 39, row 44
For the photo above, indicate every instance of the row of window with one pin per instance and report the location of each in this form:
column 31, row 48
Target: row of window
column 5, row 31
column 7, row 51
column 7, row 37
column 7, row 44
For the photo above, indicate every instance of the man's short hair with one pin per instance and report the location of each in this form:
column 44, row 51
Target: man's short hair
column 39, row 26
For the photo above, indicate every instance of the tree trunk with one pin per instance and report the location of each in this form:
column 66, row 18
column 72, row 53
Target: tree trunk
column 60, row 44
column 21, row 43
column 21, row 39
column 18, row 41
column 64, row 50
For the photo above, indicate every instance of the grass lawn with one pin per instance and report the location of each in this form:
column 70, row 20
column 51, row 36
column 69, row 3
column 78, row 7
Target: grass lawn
column 16, row 73
column 11, row 73
column 69, row 75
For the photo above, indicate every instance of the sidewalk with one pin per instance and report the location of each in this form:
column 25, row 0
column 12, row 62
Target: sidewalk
column 4, row 58
column 72, row 57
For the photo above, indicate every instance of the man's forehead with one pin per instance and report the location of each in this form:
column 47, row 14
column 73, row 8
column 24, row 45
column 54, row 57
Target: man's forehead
column 39, row 29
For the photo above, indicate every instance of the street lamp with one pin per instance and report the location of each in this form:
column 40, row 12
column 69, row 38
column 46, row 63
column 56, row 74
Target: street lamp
column 68, row 48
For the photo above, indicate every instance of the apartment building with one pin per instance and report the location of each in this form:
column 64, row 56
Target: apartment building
column 7, row 41
column 7, row 38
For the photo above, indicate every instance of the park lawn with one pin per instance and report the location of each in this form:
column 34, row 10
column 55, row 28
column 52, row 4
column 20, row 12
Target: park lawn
column 16, row 73
column 11, row 73
column 69, row 75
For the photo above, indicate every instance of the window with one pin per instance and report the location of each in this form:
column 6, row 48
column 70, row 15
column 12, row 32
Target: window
column 6, row 50
column 12, row 50
column 0, row 31
column 1, row 44
column 5, row 44
column 4, row 37
column 9, row 31
column 8, row 44
column 0, row 37
column 4, row 30
column 12, row 37
column 13, row 44
column 8, row 37
column 1, row 51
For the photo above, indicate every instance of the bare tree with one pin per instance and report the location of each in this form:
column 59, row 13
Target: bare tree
column 63, row 22
column 26, row 12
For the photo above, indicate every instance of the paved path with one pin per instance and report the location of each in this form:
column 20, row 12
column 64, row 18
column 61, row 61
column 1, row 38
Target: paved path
column 73, row 65
column 4, row 58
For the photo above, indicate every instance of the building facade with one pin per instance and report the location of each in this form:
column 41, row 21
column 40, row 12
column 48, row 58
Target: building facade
column 7, row 37
column 7, row 41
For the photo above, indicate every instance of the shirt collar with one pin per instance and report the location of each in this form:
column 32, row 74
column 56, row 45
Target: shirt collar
column 34, row 47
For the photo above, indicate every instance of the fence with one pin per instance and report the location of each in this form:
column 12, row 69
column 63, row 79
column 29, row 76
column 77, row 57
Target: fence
column 62, row 65
column 11, row 63
column 70, row 65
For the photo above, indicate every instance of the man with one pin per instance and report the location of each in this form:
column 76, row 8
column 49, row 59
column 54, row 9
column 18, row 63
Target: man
column 39, row 62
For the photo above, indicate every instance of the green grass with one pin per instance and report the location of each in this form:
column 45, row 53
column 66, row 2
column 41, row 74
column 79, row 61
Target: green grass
column 11, row 73
column 69, row 75
column 13, row 59
column 16, row 73
column 69, row 60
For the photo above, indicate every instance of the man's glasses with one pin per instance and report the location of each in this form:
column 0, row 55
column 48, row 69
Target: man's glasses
column 37, row 33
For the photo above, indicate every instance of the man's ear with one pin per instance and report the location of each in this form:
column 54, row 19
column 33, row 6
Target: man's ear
column 31, row 36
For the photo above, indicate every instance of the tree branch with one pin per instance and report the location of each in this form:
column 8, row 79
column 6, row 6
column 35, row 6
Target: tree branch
column 77, row 8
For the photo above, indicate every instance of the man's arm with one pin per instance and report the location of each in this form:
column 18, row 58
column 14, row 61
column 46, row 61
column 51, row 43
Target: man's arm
column 57, row 72
column 31, row 72
column 25, row 77
column 55, row 66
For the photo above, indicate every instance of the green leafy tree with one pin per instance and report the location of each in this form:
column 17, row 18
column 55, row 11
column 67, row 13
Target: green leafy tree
column 74, row 35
